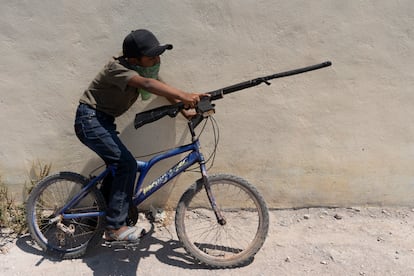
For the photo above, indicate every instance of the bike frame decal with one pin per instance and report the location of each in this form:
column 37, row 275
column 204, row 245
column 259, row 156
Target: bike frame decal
column 181, row 166
column 164, row 178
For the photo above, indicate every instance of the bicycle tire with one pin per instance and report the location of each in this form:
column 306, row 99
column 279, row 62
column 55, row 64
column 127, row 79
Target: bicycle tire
column 48, row 196
column 222, row 246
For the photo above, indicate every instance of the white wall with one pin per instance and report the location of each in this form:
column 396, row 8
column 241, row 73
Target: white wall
column 337, row 136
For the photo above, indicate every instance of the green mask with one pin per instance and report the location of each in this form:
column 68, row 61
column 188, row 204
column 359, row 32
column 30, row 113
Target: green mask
column 147, row 72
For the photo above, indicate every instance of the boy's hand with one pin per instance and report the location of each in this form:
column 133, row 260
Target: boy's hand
column 189, row 113
column 191, row 99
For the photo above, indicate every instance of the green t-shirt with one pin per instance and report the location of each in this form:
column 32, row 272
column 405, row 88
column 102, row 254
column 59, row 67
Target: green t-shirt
column 109, row 92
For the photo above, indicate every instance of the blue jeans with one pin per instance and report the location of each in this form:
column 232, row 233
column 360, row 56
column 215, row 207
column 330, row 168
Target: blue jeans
column 97, row 131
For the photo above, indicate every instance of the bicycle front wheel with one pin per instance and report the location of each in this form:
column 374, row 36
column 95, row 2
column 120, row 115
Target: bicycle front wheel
column 66, row 238
column 246, row 222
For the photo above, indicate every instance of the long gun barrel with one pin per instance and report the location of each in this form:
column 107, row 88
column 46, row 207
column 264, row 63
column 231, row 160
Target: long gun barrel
column 152, row 115
column 218, row 94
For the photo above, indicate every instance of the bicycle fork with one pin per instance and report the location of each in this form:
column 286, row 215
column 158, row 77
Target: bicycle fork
column 204, row 181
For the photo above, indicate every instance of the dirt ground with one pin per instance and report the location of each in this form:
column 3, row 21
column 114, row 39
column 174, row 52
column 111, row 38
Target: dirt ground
column 316, row 241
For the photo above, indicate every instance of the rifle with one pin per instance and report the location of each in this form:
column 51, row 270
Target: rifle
column 204, row 106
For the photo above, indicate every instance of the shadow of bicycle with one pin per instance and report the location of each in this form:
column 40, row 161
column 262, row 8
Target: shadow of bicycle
column 112, row 261
column 103, row 260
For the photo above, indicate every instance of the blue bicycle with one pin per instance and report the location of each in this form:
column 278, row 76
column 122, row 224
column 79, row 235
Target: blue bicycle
column 221, row 220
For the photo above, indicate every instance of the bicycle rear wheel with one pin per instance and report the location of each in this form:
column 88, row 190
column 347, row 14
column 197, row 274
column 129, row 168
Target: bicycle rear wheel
column 65, row 238
column 237, row 241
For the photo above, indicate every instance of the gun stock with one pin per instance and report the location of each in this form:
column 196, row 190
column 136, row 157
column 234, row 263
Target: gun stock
column 155, row 114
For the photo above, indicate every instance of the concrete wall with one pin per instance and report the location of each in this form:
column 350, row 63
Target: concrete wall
column 338, row 136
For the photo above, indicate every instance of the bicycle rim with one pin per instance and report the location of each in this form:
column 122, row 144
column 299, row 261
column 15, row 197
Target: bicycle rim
column 43, row 204
column 239, row 239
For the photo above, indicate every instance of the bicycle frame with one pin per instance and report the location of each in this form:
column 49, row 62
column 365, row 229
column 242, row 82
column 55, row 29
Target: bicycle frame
column 143, row 167
column 195, row 156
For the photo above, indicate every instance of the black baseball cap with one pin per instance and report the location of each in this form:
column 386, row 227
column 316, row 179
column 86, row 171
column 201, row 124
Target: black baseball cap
column 143, row 43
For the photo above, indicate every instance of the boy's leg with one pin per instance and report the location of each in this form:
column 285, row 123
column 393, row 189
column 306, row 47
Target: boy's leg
column 98, row 131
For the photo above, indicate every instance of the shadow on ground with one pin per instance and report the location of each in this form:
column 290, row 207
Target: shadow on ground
column 104, row 260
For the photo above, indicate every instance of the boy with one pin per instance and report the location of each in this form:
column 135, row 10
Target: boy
column 111, row 93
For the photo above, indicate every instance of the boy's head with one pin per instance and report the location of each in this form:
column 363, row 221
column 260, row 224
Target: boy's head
column 141, row 43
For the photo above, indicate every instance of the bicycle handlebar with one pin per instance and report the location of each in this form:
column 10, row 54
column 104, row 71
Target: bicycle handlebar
column 155, row 114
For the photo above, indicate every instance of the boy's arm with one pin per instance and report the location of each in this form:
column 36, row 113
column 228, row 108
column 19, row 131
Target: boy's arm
column 161, row 89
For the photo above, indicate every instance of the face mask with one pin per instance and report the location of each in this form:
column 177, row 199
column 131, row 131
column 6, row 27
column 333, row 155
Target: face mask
column 147, row 72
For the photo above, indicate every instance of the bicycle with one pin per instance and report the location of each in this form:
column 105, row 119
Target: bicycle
column 221, row 220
